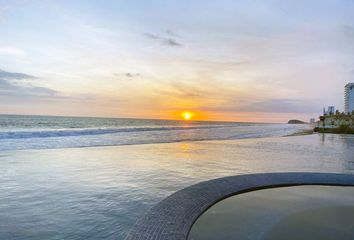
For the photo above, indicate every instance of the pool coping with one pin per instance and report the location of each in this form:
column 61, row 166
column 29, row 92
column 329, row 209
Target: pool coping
column 173, row 217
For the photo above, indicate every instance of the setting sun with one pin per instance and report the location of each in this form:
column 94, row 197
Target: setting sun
column 187, row 115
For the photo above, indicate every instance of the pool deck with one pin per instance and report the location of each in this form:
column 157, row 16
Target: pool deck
column 173, row 217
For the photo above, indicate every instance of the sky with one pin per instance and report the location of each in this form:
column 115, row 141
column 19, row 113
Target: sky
column 258, row 61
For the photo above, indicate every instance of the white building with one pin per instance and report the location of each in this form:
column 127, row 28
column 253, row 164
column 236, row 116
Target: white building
column 349, row 98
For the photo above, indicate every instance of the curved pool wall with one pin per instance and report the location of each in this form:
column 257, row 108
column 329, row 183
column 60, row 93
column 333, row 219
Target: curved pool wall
column 173, row 217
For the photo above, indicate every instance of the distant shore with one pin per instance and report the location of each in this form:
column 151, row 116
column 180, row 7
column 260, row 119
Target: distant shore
column 340, row 130
column 301, row 133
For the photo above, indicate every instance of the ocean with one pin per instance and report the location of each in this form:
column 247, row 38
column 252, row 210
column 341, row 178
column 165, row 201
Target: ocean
column 92, row 178
column 43, row 132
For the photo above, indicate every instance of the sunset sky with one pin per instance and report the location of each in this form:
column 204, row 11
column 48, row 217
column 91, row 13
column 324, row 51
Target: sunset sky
column 261, row 61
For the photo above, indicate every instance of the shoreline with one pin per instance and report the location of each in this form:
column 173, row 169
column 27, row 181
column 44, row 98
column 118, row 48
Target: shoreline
column 298, row 132
column 340, row 130
column 118, row 139
column 301, row 133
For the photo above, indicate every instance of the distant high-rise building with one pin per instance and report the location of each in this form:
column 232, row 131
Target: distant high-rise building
column 349, row 98
column 330, row 110
column 312, row 120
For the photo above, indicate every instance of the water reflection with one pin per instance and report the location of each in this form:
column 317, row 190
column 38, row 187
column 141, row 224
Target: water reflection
column 279, row 213
column 98, row 193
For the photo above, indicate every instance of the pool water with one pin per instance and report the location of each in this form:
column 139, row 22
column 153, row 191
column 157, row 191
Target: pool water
column 100, row 192
column 301, row 212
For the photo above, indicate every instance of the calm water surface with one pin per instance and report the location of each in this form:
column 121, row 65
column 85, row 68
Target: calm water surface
column 99, row 192
column 292, row 213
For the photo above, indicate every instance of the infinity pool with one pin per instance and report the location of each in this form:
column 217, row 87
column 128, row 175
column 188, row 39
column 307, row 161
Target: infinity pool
column 301, row 212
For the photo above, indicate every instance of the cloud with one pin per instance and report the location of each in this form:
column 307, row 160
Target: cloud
column 132, row 75
column 169, row 41
column 151, row 36
column 15, row 75
column 5, row 85
column 184, row 91
column 171, row 33
column 11, row 51
column 127, row 75
column 348, row 31
column 172, row 42
column 2, row 12
column 280, row 105
column 10, row 89
column 269, row 106
column 11, row 85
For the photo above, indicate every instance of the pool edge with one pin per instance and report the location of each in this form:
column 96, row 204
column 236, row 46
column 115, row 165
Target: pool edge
column 173, row 217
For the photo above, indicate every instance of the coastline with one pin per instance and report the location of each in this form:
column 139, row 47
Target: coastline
column 301, row 133
column 149, row 133
column 340, row 130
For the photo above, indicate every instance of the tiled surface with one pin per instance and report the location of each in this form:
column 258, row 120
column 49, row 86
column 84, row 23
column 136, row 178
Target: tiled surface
column 173, row 217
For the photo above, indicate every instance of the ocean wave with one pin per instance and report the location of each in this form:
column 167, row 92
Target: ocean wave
column 77, row 138
column 94, row 131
